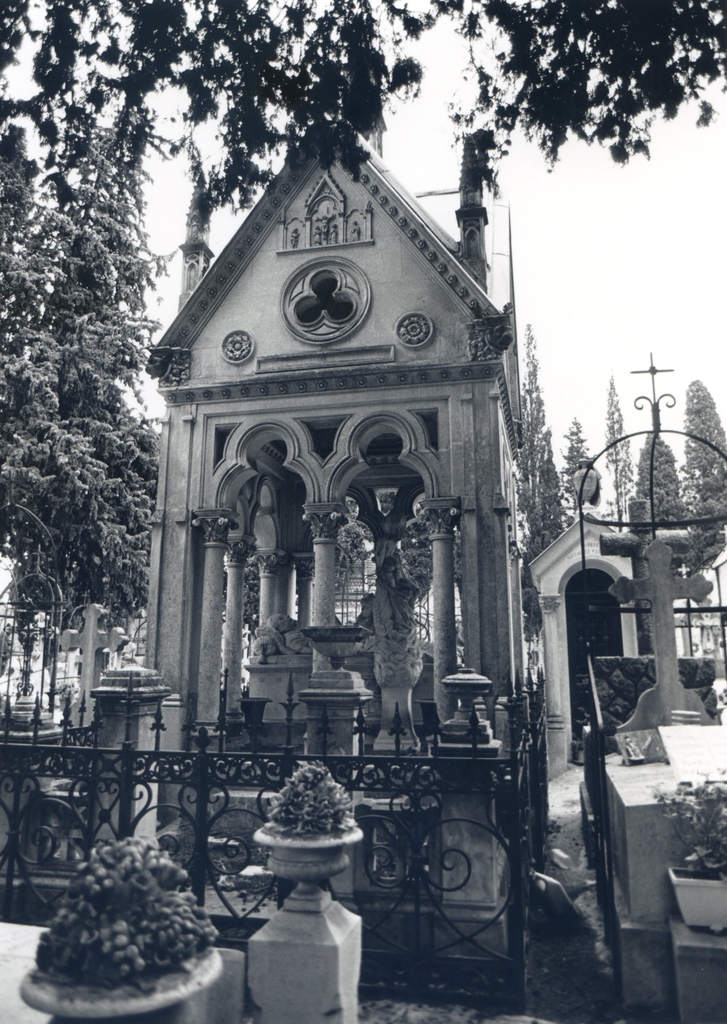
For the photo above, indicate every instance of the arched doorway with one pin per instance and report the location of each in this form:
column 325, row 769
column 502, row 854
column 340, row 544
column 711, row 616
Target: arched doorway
column 592, row 617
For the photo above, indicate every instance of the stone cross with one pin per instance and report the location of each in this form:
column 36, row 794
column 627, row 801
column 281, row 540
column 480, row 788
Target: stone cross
column 661, row 589
column 92, row 642
column 633, row 545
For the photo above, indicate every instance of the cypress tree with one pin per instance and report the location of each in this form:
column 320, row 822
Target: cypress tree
column 668, row 503
column 704, row 475
column 576, row 450
column 618, row 459
column 539, row 501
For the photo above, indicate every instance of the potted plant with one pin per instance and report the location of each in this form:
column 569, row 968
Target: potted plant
column 699, row 815
column 310, row 823
column 125, row 939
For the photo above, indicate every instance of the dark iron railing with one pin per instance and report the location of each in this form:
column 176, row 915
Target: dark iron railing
column 594, row 770
column 441, row 878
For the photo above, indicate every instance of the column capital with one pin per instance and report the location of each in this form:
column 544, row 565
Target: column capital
column 304, row 566
column 215, row 523
column 325, row 518
column 270, row 561
column 440, row 514
column 550, row 602
column 241, row 550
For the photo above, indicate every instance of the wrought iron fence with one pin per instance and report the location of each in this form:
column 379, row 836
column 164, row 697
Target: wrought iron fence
column 594, row 770
column 440, row 879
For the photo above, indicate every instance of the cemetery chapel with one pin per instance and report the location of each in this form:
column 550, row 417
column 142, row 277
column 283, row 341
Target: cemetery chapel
column 341, row 346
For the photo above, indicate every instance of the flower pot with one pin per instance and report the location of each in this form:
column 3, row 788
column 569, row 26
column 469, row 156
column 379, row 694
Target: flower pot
column 307, row 858
column 48, row 994
column 702, row 900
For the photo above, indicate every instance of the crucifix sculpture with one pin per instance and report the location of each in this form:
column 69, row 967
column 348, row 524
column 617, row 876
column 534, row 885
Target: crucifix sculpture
column 92, row 642
column 661, row 589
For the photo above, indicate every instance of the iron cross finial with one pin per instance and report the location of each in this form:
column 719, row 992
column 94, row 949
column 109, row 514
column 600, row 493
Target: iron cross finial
column 654, row 401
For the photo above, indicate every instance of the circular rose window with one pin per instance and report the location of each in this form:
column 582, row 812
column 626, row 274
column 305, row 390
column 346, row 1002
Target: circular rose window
column 325, row 300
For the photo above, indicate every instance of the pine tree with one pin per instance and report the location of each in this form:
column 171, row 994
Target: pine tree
column 575, row 451
column 618, row 458
column 73, row 338
column 704, row 475
column 668, row 504
column 539, row 501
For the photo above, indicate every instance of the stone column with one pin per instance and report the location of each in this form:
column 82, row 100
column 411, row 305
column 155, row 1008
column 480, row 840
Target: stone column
column 269, row 562
column 334, row 689
column 240, row 552
column 556, row 678
column 325, row 518
column 282, row 588
column 304, row 574
column 441, row 514
column 215, row 524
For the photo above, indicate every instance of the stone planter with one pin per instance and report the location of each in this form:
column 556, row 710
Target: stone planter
column 702, row 900
column 94, row 1002
column 315, row 939
column 307, row 860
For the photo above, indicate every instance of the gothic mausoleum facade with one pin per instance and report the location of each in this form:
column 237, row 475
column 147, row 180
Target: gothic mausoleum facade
column 341, row 345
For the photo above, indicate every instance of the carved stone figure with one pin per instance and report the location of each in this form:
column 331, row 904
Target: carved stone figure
column 355, row 232
column 334, row 234
column 397, row 650
column 279, row 635
column 294, row 238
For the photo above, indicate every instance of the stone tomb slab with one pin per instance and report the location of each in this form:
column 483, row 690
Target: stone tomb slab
column 696, row 755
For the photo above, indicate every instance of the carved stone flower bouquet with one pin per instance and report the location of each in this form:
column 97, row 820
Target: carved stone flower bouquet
column 123, row 928
column 310, row 823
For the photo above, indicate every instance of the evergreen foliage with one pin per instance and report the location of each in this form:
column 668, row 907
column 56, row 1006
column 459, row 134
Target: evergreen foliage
column 576, row 449
column 307, row 77
column 704, row 475
column 539, row 501
column 668, row 504
column 618, row 459
column 74, row 268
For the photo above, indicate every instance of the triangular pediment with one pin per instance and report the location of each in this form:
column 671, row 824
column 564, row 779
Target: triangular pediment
column 358, row 213
column 565, row 552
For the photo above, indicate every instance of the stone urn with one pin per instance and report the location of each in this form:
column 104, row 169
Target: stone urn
column 335, row 642
column 307, row 860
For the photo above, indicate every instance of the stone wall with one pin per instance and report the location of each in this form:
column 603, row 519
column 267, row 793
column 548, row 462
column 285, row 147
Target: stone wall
column 621, row 681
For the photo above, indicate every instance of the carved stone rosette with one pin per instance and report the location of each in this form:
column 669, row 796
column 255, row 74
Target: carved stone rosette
column 441, row 515
column 550, row 602
column 326, row 518
column 241, row 550
column 215, row 525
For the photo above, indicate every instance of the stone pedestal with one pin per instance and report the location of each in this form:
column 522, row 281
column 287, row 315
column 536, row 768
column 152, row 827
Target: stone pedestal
column 700, row 970
column 147, row 690
column 304, row 963
column 337, row 691
column 173, row 712
column 271, row 680
column 645, row 845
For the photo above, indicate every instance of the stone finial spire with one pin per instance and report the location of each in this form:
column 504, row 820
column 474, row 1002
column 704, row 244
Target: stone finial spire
column 472, row 215
column 375, row 137
column 196, row 250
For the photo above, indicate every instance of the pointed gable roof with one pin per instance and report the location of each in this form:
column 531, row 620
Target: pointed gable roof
column 416, row 225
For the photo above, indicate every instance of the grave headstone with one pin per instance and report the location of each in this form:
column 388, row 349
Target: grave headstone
column 92, row 642
column 661, row 588
column 696, row 755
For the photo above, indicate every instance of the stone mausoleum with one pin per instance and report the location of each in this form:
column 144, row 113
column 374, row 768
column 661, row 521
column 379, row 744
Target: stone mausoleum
column 341, row 345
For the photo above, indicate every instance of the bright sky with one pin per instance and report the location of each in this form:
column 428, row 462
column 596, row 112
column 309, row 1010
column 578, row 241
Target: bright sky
column 611, row 263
